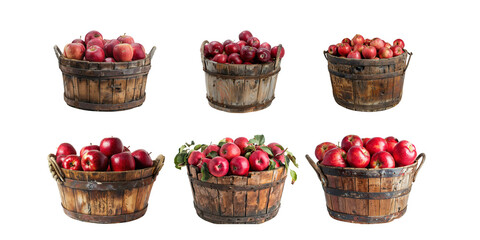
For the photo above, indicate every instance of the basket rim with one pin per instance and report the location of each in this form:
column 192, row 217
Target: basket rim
column 147, row 55
column 364, row 59
column 253, row 64
column 250, row 173
column 369, row 169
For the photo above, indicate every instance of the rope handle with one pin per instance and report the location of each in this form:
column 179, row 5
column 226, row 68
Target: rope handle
column 202, row 52
column 56, row 171
column 159, row 165
column 320, row 174
column 422, row 155
column 277, row 58
column 152, row 51
column 408, row 61
column 58, row 52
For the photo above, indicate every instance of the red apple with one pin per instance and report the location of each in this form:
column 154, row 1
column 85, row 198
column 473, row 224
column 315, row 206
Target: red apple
column 274, row 51
column 242, row 143
column 228, row 41
column 358, row 47
column 138, row 51
column 358, row 157
column 195, row 157
column 202, row 161
column 95, row 41
column 232, row 48
column 89, row 148
column 367, row 42
column 94, row 161
column 397, row 50
column 369, row 52
column 399, row 42
column 109, row 59
column 60, row 159
column 215, row 48
column 108, row 48
column 248, row 53
column 93, row 34
column 123, row 52
column 239, row 166
column 241, row 44
column 74, row 51
column 254, row 42
column 323, row 148
column 277, row 153
column 354, row 55
column 382, row 160
column 229, row 151
column 388, row 45
column 358, row 39
column 220, row 58
column 263, row 55
column 125, row 39
column 123, row 161
column 218, row 166
column 79, row 40
column 65, row 149
column 245, row 35
column 110, row 146
column 94, row 53
column 332, row 49
column 142, row 159
column 404, row 153
column 347, row 41
column 211, row 148
column 377, row 43
column 365, row 140
column 72, row 162
column 391, row 142
column 259, row 160
column 266, row 45
column 228, row 140
column 350, row 141
column 376, row 144
column 344, row 49
column 234, row 58
column 335, row 157
column 385, row 53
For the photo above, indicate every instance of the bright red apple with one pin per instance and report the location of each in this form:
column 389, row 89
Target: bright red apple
column 195, row 157
column 344, row 49
column 332, row 49
column 79, row 40
column 274, row 52
column 385, row 53
column 95, row 41
column 218, row 166
column 93, row 34
column 229, row 151
column 142, row 159
column 376, row 144
column 354, row 55
column 397, row 50
column 94, row 53
column 74, row 51
column 369, row 52
column 242, row 143
column 242, row 44
column 110, row 146
column 391, row 142
column 94, row 161
column 123, row 161
column 60, row 159
column 266, row 45
column 358, row 157
column 399, row 42
column 232, row 48
column 382, row 160
column 404, row 153
column 89, row 148
column 377, row 43
column 138, row 51
column 211, row 148
column 245, row 35
column 215, row 48
column 202, row 161
column 125, row 39
column 365, row 140
column 259, row 160
column 350, row 141
column 109, row 60
column 239, row 166
column 123, row 52
column 65, row 149
column 72, row 162
column 358, row 47
column 220, row 58
column 335, row 157
column 358, row 39
column 323, row 148
column 347, row 41
column 108, row 48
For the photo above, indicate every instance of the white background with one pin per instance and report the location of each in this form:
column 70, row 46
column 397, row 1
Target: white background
column 438, row 112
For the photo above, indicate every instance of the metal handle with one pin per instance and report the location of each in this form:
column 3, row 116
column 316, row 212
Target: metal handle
column 325, row 54
column 320, row 174
column 150, row 55
column 408, row 61
column 56, row 171
column 422, row 155
column 277, row 58
column 58, row 52
column 160, row 161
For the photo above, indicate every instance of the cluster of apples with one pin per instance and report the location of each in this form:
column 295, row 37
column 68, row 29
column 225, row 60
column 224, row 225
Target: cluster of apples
column 360, row 48
column 96, row 49
column 110, row 155
column 374, row 152
column 235, row 157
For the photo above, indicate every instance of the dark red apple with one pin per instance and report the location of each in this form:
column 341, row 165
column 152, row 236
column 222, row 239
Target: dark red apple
column 110, row 60
column 94, row 161
column 234, row 58
column 354, row 55
column 358, row 157
column 125, row 39
column 347, row 41
column 206, row 50
column 142, row 159
column 397, row 50
column 259, row 160
column 93, row 34
column 218, row 166
column 385, row 53
column 277, row 152
column 377, row 43
column 60, row 160
column 211, row 148
column 72, row 162
column 335, row 157
column 241, row 44
column 369, row 52
column 89, row 148
column 95, row 41
column 229, row 151
column 376, row 144
column 391, row 142
column 242, row 143
column 323, row 148
column 358, row 39
column 228, row 41
column 266, row 45
column 382, row 160
column 399, row 42
column 123, row 52
column 245, row 35
column 94, row 53
column 350, row 141
column 239, row 166
column 138, row 51
column 248, row 53
column 74, row 51
column 79, row 40
column 123, row 161
column 65, row 149
column 404, row 153
column 215, row 48
column 332, row 49
column 274, row 51
column 232, row 48
column 220, row 58
column 263, row 55
column 365, row 140
column 108, row 48
column 253, row 42
column 110, row 146
column 344, row 49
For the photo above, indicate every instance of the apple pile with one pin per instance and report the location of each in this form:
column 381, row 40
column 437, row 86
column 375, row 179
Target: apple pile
column 360, row 48
column 96, row 49
column 248, row 50
column 110, row 155
column 235, row 157
column 359, row 152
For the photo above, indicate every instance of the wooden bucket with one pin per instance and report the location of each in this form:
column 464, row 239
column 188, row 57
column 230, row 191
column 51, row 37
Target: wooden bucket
column 105, row 197
column 240, row 88
column 366, row 84
column 361, row 195
column 103, row 86
column 238, row 199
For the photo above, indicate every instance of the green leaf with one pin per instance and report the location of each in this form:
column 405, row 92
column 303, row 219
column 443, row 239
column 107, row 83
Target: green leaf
column 181, row 160
column 293, row 174
column 212, row 154
column 198, row 146
column 280, row 146
column 247, row 155
column 272, row 164
column 204, row 146
column 205, row 173
column 221, row 143
column 267, row 150
column 292, row 158
column 257, row 140
column 287, row 161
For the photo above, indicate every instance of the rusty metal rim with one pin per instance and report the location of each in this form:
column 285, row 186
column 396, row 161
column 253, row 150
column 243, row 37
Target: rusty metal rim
column 107, row 73
column 241, row 107
column 365, row 219
column 105, row 219
column 366, row 173
column 260, row 218
column 366, row 195
column 108, row 186
column 235, row 188
column 104, row 106
column 257, row 77
column 367, row 77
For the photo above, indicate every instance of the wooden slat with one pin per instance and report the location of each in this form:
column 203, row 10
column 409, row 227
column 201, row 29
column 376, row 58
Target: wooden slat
column 226, row 197
column 239, row 197
column 252, row 196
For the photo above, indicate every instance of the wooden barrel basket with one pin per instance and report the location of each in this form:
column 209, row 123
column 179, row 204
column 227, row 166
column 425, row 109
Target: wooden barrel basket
column 367, row 195
column 240, row 88
column 237, row 199
column 103, row 86
column 367, row 85
column 105, row 197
